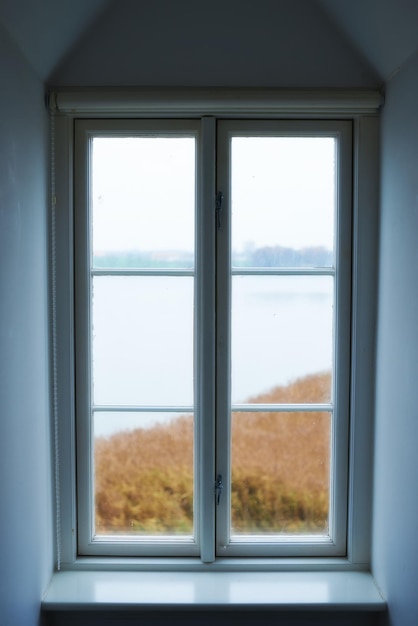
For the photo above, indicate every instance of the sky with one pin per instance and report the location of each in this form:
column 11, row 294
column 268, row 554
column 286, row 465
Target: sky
column 143, row 192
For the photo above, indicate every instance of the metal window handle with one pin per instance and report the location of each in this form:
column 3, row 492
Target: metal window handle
column 218, row 207
column 218, row 488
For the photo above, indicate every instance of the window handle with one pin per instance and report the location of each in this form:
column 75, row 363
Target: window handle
column 218, row 207
column 218, row 488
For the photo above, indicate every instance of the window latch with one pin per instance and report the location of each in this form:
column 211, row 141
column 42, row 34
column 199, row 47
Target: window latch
column 218, row 207
column 218, row 488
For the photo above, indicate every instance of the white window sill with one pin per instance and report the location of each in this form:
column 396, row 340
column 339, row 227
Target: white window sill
column 277, row 591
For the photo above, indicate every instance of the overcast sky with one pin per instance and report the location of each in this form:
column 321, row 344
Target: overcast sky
column 143, row 192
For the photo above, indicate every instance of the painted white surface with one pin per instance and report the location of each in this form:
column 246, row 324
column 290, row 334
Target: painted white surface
column 384, row 31
column 287, row 43
column 380, row 33
column 46, row 35
column 219, row 590
column 395, row 529
column 25, row 486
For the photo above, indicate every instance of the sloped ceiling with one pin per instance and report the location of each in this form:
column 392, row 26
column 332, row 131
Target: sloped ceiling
column 286, row 43
column 365, row 41
column 385, row 32
column 45, row 30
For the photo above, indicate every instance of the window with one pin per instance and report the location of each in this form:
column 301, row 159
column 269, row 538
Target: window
column 208, row 381
column 255, row 469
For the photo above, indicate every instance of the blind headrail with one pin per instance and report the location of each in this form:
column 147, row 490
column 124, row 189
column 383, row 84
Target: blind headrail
column 214, row 101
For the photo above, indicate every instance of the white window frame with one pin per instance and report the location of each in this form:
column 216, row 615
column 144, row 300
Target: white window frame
column 335, row 545
column 85, row 130
column 360, row 110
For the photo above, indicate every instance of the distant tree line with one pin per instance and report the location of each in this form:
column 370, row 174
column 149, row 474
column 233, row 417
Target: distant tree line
column 280, row 256
column 268, row 256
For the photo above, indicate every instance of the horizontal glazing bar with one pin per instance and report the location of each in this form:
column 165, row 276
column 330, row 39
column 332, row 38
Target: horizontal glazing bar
column 282, row 408
column 129, row 539
column 141, row 409
column 283, row 538
column 283, row 271
column 141, row 272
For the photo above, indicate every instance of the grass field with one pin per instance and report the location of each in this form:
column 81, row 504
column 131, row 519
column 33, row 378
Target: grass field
column 280, row 470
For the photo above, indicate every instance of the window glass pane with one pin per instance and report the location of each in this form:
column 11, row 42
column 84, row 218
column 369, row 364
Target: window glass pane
column 143, row 466
column 282, row 330
column 280, row 473
column 283, row 201
column 142, row 347
column 143, row 200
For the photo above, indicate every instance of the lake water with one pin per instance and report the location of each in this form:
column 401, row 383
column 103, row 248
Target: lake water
column 143, row 340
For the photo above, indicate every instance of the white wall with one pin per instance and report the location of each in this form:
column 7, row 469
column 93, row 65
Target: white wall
column 395, row 532
column 25, row 478
column 153, row 43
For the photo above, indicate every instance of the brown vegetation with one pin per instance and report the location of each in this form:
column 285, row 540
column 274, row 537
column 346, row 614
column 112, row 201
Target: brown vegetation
column 280, row 470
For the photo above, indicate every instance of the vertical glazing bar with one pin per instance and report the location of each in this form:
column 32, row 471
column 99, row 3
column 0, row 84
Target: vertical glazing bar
column 343, row 307
column 205, row 336
column 223, row 337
